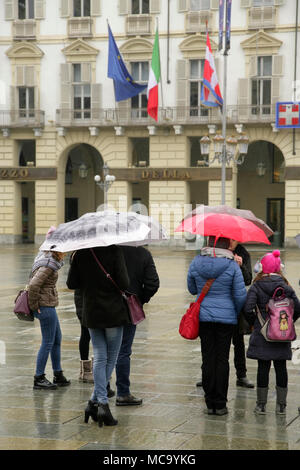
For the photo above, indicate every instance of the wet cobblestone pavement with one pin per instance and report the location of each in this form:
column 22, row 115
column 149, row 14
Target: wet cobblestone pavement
column 165, row 369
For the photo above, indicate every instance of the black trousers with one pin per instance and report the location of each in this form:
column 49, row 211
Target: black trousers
column 84, row 343
column 215, row 346
column 239, row 353
column 263, row 371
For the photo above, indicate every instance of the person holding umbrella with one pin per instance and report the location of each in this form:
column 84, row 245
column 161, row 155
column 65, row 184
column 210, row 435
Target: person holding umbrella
column 218, row 316
column 104, row 313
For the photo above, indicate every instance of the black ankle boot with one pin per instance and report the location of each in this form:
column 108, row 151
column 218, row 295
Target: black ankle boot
column 60, row 380
column 41, row 383
column 105, row 416
column 91, row 410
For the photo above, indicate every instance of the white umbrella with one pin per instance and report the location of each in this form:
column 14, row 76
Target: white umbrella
column 103, row 228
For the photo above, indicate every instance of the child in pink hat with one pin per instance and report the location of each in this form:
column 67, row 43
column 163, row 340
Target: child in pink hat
column 271, row 262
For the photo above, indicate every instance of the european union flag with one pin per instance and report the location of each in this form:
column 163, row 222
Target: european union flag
column 124, row 85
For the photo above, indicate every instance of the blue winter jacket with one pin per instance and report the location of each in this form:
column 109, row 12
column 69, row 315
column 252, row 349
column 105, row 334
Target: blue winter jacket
column 227, row 294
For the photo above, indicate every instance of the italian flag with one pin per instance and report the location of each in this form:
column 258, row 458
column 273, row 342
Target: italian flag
column 154, row 78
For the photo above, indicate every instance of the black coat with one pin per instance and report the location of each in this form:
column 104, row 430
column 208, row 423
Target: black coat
column 246, row 266
column 102, row 303
column 259, row 294
column 144, row 280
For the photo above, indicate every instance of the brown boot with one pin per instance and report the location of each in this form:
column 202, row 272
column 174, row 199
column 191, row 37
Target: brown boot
column 86, row 371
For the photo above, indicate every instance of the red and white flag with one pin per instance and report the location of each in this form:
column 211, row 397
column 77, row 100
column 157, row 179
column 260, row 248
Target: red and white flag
column 210, row 94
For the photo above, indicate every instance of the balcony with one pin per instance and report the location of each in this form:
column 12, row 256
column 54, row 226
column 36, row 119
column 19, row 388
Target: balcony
column 22, row 118
column 80, row 27
column 195, row 21
column 138, row 24
column 262, row 18
column 24, row 29
column 184, row 115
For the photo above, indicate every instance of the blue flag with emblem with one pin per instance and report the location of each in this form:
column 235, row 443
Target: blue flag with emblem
column 124, row 85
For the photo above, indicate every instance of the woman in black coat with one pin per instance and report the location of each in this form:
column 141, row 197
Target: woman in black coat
column 104, row 313
column 268, row 279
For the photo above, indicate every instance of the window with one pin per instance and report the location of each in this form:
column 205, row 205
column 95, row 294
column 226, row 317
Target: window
column 140, row 6
column 140, row 74
column 25, row 9
column 261, row 86
column 262, row 3
column 26, row 101
column 81, row 8
column 81, row 94
column 197, row 5
column 196, row 74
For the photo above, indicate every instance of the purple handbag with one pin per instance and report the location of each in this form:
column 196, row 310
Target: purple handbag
column 22, row 309
column 134, row 306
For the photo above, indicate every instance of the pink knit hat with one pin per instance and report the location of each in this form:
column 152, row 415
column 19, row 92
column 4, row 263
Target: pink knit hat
column 271, row 262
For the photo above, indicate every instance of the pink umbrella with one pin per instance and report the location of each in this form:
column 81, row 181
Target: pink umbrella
column 223, row 209
column 224, row 225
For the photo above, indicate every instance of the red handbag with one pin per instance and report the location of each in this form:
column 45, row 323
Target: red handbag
column 189, row 325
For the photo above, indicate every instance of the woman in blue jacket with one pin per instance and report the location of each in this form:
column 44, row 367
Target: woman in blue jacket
column 218, row 315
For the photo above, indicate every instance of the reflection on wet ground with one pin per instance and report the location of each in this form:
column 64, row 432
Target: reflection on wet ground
column 165, row 369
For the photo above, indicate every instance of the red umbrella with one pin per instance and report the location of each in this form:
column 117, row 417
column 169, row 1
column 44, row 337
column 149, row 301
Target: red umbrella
column 223, row 209
column 224, row 225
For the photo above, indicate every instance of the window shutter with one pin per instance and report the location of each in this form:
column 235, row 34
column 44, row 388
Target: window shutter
column 182, row 84
column 65, row 8
column 243, row 98
column 20, row 75
column 253, row 66
column 86, row 72
column 39, row 9
column 10, row 10
column 66, row 73
column 96, row 100
column 124, row 7
column 182, row 5
column 214, row 4
column 277, row 65
column 275, row 90
column 29, row 75
column 155, row 6
column 95, row 7
column 66, row 102
column 13, row 98
column 246, row 3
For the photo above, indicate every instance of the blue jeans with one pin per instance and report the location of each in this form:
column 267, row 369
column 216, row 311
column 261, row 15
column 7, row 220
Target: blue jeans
column 51, row 339
column 106, row 345
column 123, row 363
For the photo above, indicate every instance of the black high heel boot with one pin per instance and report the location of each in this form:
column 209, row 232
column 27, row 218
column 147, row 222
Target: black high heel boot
column 91, row 410
column 105, row 416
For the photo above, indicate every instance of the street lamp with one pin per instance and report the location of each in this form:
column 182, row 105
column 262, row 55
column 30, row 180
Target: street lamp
column 225, row 151
column 106, row 183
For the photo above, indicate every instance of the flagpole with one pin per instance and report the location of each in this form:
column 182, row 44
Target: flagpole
column 224, row 109
column 161, row 89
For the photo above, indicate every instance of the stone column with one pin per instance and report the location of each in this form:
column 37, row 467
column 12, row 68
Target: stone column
column 10, row 212
column 215, row 193
column 47, row 211
column 292, row 211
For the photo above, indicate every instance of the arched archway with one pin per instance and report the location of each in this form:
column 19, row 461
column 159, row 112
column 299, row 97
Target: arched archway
column 82, row 195
column 261, row 185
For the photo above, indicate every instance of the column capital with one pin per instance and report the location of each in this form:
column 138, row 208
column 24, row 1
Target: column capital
column 94, row 131
column 119, row 130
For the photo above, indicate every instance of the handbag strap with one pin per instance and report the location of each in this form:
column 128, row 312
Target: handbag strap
column 106, row 273
column 260, row 317
column 205, row 290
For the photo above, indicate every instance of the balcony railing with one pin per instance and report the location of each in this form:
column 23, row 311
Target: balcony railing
column 166, row 116
column 262, row 17
column 195, row 21
column 24, row 29
column 138, row 24
column 80, row 27
column 22, row 118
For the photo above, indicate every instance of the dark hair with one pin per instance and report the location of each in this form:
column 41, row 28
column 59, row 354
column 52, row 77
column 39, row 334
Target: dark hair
column 221, row 242
column 262, row 275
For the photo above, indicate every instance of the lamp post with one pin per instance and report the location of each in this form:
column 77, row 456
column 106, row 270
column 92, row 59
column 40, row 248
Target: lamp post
column 225, row 152
column 105, row 183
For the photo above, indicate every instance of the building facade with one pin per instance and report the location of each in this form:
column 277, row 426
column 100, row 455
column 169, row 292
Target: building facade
column 60, row 123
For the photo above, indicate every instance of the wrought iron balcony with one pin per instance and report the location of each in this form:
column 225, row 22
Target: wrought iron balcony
column 184, row 115
column 22, row 118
